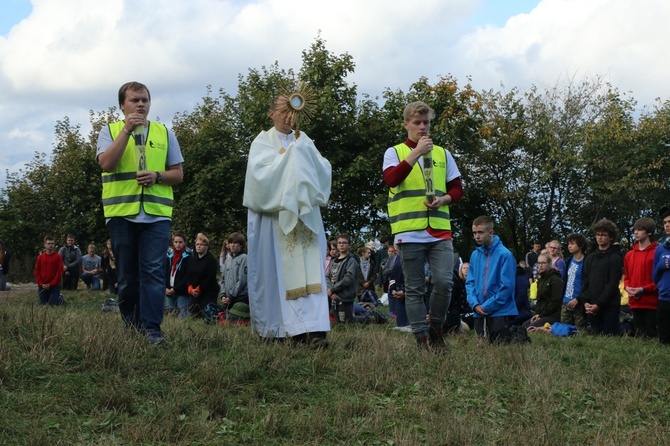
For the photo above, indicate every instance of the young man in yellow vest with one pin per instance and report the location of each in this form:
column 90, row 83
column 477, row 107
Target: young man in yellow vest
column 421, row 225
column 141, row 161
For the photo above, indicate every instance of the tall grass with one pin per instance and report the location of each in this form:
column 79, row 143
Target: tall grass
column 73, row 375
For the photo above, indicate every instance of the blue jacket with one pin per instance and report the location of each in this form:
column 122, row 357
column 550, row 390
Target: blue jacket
column 661, row 272
column 491, row 280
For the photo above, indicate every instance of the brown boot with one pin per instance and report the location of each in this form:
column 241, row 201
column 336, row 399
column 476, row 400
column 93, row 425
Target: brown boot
column 436, row 338
column 423, row 343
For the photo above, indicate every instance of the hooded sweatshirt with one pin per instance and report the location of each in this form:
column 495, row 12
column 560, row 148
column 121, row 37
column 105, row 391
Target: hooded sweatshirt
column 491, row 280
column 638, row 265
column 601, row 277
column 661, row 273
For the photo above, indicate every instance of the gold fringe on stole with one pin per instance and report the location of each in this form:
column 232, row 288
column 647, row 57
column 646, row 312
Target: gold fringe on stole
column 303, row 291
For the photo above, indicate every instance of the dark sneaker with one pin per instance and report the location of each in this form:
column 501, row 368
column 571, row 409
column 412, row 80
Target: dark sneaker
column 157, row 339
column 318, row 343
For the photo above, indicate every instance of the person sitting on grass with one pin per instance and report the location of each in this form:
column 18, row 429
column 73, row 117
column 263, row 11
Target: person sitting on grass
column 549, row 294
column 48, row 274
column 177, row 299
column 201, row 276
column 91, row 267
column 342, row 282
column 233, row 285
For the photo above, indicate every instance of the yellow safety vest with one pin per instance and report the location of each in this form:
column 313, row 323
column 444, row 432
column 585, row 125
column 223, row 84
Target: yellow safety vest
column 122, row 196
column 405, row 202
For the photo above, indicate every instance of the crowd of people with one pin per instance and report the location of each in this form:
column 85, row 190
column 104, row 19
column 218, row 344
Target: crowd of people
column 289, row 283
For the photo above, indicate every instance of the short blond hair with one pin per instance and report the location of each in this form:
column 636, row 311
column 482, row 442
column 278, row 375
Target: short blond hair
column 417, row 108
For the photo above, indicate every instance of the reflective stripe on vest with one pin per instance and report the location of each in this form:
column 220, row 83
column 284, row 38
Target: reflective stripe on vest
column 121, row 194
column 405, row 202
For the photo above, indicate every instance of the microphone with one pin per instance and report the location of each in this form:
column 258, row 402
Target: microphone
column 140, row 150
column 428, row 175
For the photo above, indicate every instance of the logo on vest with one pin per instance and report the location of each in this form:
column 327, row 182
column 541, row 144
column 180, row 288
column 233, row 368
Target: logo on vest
column 156, row 145
column 439, row 164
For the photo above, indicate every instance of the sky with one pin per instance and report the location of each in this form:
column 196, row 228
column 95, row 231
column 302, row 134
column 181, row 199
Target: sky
column 65, row 58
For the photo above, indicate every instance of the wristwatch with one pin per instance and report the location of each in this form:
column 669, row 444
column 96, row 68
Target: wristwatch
column 159, row 178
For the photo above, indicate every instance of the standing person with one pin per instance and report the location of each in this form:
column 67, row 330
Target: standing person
column 109, row 269
column 422, row 227
column 71, row 255
column 138, row 205
column 201, row 276
column 661, row 276
column 368, row 277
column 287, row 181
column 490, row 283
column 642, row 291
column 4, row 266
column 557, row 261
column 600, row 285
column 342, row 282
column 572, row 311
column 177, row 298
column 233, row 285
column 531, row 260
column 49, row 273
column 549, row 294
column 91, row 267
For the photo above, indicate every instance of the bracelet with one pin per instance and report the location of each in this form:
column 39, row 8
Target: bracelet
column 127, row 132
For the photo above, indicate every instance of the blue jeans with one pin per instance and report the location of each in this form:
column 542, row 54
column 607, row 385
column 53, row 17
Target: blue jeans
column 182, row 303
column 440, row 258
column 90, row 279
column 140, row 267
column 49, row 296
column 397, row 307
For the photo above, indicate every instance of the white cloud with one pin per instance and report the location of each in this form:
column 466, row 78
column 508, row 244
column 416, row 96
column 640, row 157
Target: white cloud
column 70, row 56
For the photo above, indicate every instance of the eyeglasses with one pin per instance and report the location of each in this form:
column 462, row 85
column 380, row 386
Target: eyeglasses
column 553, row 247
column 543, row 263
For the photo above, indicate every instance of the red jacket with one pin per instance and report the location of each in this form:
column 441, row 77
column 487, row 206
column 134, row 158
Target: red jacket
column 637, row 267
column 49, row 269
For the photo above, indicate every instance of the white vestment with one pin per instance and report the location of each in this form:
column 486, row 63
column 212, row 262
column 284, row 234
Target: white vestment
column 284, row 188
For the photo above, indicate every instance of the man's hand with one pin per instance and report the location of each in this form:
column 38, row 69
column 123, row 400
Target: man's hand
column 225, row 300
column 478, row 309
column 438, row 201
column 424, row 145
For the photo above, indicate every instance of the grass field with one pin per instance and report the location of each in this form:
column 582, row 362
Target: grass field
column 73, row 375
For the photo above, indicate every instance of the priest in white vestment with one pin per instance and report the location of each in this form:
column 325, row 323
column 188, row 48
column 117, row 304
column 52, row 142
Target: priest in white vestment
column 287, row 181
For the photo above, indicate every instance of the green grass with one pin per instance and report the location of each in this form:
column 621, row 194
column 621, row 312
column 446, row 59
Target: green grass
column 73, row 375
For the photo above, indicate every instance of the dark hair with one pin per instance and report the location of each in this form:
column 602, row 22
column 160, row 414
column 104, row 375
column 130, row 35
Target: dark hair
column 135, row 86
column 579, row 239
column 179, row 234
column 646, row 224
column 49, row 238
column 347, row 237
column 605, row 225
column 664, row 212
column 237, row 237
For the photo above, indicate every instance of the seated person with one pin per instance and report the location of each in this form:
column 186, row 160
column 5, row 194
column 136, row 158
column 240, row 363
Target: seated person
column 521, row 295
column 549, row 294
column 201, row 276
column 91, row 267
column 233, row 285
